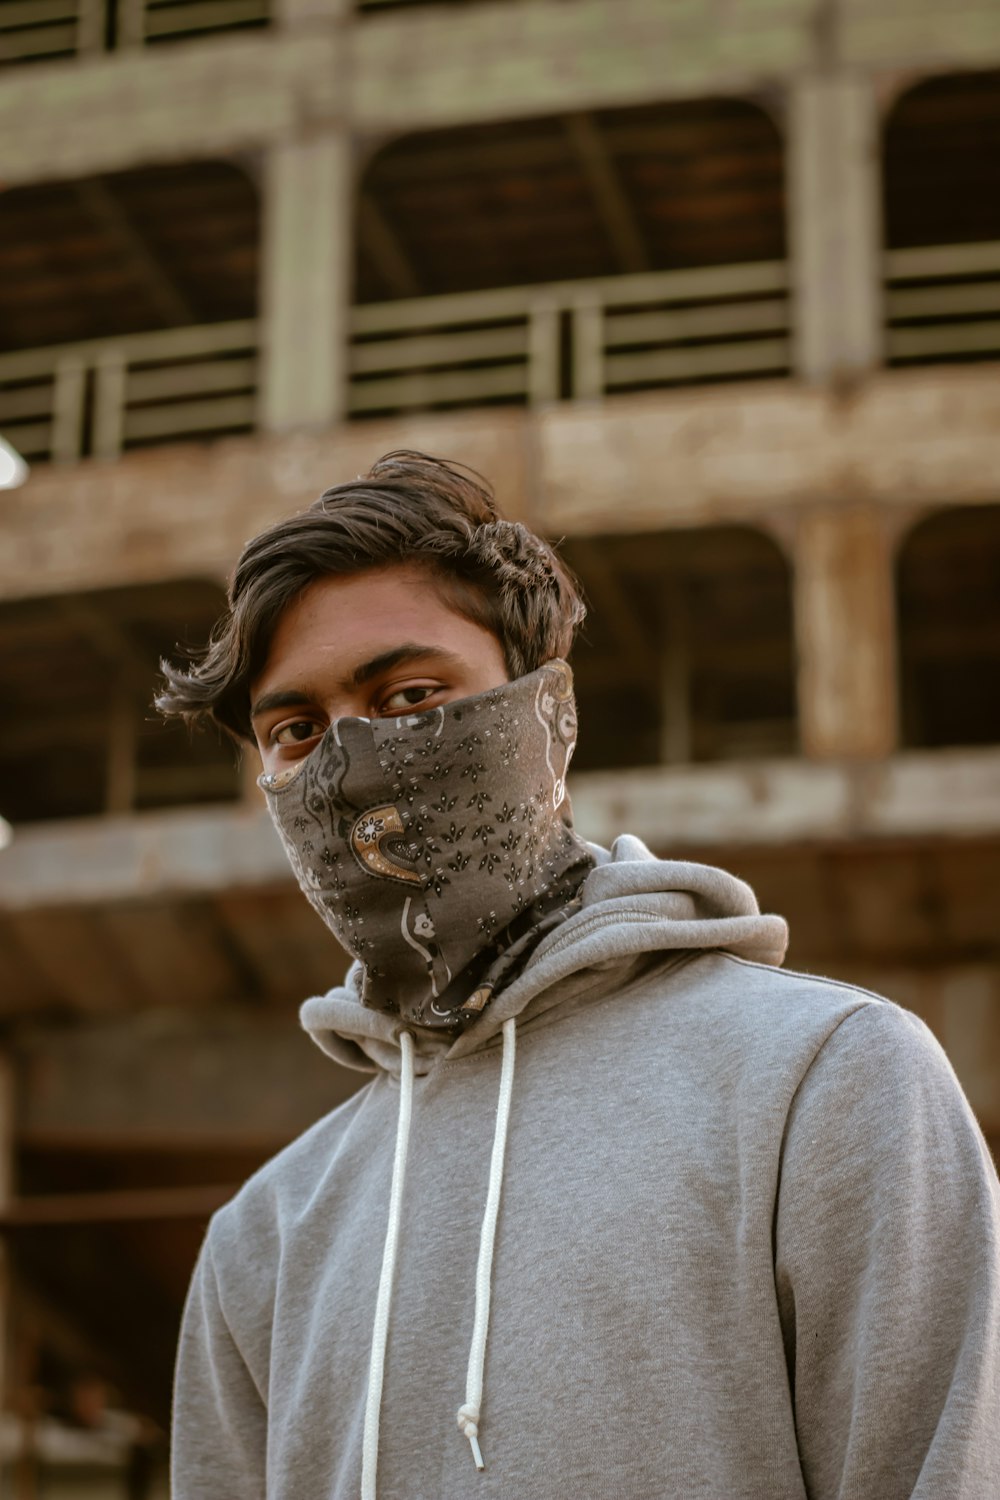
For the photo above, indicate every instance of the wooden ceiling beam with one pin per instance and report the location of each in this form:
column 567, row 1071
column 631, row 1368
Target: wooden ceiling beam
column 106, row 210
column 90, row 1277
column 608, row 191
column 109, row 640
column 618, row 613
column 378, row 240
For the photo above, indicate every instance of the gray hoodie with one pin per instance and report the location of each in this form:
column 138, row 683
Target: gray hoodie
column 747, row 1247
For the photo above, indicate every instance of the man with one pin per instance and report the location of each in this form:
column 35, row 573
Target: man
column 626, row 1210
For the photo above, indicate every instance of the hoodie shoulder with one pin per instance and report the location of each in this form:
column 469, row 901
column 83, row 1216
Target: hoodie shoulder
column 252, row 1222
column 781, row 1002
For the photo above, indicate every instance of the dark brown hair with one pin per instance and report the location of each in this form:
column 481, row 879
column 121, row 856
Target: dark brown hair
column 408, row 508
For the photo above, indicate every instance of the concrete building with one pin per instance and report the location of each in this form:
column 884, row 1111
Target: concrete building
column 711, row 290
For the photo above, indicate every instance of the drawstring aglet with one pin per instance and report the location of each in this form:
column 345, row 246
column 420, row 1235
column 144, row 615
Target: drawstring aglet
column 468, row 1421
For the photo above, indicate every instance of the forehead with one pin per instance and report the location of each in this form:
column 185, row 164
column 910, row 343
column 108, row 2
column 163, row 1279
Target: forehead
column 339, row 622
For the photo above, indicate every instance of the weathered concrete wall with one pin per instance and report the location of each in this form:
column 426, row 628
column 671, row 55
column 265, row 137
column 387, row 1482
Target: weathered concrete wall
column 216, row 96
column 501, row 61
column 256, row 1082
column 186, row 511
column 203, row 850
column 442, row 66
column 906, row 439
column 760, row 454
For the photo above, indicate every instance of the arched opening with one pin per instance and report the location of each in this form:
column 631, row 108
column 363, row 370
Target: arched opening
column 77, row 677
column 687, row 654
column 941, row 183
column 571, row 256
column 948, row 593
column 126, row 309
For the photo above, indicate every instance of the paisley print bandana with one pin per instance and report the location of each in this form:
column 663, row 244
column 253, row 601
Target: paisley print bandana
column 438, row 848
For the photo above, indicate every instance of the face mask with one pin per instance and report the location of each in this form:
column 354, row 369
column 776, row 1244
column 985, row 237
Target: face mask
column 438, row 848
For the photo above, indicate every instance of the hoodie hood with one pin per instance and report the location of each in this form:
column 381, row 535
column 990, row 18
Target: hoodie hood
column 632, row 904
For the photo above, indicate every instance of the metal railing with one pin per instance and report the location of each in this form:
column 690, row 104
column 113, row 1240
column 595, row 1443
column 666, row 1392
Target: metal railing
column 572, row 340
column 528, row 345
column 576, row 340
column 37, row 30
column 97, row 398
column 943, row 303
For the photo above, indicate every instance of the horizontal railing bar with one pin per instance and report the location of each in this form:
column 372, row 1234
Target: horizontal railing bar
column 161, row 344
column 38, row 41
column 26, row 401
column 493, row 306
column 35, row 12
column 944, row 301
column 949, row 338
column 29, row 438
column 439, row 349
column 408, row 391
column 707, row 322
column 750, row 279
column 943, row 260
column 168, row 19
column 185, row 417
column 762, row 355
column 191, row 380
column 195, row 340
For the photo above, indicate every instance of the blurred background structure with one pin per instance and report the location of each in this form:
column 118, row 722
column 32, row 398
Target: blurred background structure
column 709, row 288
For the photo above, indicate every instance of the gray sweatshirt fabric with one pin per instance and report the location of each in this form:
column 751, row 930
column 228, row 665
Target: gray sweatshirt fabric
column 748, row 1244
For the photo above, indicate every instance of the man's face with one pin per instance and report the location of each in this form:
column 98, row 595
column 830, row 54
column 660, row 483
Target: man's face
column 377, row 644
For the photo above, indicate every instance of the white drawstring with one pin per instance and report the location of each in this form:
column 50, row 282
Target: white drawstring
column 468, row 1413
column 380, row 1332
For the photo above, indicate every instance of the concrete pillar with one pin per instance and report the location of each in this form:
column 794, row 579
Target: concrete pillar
column 835, row 226
column 292, row 13
column 845, row 633
column 305, row 288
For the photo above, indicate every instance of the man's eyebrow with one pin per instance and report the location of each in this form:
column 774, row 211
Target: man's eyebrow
column 384, row 662
column 287, row 698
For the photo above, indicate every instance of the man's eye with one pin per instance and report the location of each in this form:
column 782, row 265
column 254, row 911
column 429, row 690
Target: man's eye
column 404, row 698
column 296, row 732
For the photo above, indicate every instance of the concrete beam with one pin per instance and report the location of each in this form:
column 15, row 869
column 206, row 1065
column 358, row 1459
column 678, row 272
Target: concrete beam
column 756, row 454
column 410, row 70
column 910, row 440
column 198, row 850
column 185, row 511
column 535, row 57
column 165, row 1080
column 770, row 803
column 184, row 102
column 922, row 35
column 252, row 1085
column 946, row 793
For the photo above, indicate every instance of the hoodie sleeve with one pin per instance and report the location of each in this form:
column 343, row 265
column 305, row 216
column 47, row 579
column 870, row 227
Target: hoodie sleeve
column 887, row 1251
column 219, row 1446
